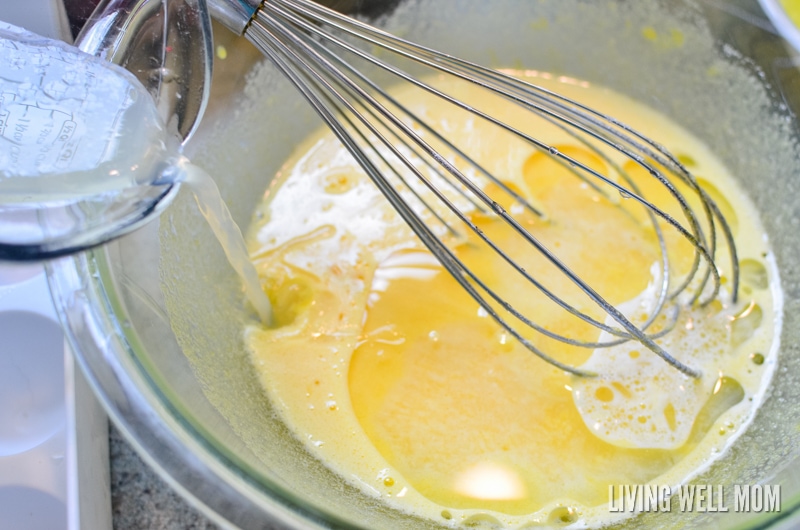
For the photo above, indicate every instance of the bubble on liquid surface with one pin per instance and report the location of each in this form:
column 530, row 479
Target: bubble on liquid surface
column 754, row 274
column 638, row 400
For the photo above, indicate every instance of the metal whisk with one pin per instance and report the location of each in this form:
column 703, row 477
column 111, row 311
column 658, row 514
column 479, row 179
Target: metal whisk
column 437, row 187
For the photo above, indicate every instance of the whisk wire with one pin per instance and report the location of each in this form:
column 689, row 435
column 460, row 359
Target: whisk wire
column 520, row 89
column 478, row 192
column 383, row 65
column 551, row 98
column 492, row 293
column 273, row 48
column 291, row 34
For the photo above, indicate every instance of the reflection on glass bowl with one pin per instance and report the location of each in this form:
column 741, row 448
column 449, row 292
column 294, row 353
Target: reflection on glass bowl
column 785, row 15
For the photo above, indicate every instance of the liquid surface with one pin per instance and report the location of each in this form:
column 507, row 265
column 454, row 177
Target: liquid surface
column 396, row 378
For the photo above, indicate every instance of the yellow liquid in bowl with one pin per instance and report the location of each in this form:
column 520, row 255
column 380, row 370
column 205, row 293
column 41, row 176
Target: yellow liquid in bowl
column 397, row 380
column 792, row 8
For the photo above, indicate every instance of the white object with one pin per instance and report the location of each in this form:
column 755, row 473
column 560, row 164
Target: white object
column 53, row 435
column 54, row 470
column 47, row 18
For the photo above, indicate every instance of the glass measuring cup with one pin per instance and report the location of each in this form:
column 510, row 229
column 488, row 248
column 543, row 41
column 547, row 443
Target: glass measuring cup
column 86, row 154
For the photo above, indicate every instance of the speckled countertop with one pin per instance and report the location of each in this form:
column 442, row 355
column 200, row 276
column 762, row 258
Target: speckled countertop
column 140, row 499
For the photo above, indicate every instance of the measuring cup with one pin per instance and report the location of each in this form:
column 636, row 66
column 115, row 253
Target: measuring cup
column 86, row 155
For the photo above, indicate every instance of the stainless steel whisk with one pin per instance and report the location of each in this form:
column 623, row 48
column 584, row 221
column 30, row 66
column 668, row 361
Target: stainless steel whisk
column 435, row 185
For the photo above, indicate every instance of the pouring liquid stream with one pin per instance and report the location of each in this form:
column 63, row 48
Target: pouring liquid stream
column 227, row 232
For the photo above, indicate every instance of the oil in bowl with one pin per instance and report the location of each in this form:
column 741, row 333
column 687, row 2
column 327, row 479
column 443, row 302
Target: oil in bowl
column 399, row 381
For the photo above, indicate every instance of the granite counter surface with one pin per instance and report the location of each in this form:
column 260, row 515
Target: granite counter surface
column 140, row 499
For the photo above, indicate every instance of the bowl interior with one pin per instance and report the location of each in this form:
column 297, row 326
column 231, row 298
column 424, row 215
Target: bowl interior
column 785, row 16
column 178, row 306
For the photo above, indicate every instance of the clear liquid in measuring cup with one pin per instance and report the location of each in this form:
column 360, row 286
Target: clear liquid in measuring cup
column 72, row 125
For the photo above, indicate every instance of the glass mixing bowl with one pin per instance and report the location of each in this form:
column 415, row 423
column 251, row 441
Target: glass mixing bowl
column 155, row 318
column 782, row 19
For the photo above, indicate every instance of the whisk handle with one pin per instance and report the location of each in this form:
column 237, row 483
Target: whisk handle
column 234, row 14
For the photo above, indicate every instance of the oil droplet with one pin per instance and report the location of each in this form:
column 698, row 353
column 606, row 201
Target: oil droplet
column 745, row 323
column 563, row 516
column 622, row 389
column 504, row 191
column 337, row 183
column 669, row 415
column 649, row 33
column 482, row 520
column 678, row 38
column 728, row 211
column 753, row 274
column 388, row 482
column 727, row 393
column 604, row 394
column 686, row 160
column 447, row 515
column 757, row 358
